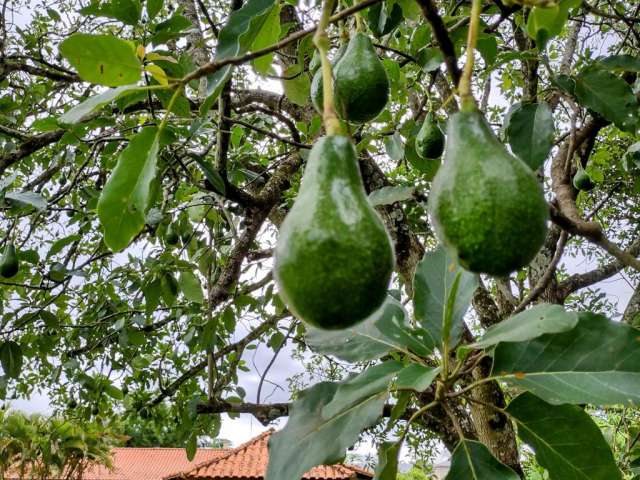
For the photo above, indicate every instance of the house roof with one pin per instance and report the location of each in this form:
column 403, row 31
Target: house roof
column 249, row 462
column 147, row 463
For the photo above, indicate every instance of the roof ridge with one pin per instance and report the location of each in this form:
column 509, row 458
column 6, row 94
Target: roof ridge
column 228, row 454
column 170, row 448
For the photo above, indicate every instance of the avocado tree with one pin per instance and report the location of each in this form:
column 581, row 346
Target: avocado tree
column 184, row 181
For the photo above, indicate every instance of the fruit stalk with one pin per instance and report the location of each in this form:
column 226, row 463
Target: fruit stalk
column 464, row 88
column 321, row 41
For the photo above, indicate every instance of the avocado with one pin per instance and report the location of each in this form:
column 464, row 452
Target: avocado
column 334, row 257
column 430, row 139
column 361, row 86
column 9, row 264
column 171, row 237
column 582, row 180
column 486, row 205
column 317, row 97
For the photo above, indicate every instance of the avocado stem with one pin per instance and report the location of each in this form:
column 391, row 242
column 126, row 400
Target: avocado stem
column 464, row 87
column 321, row 41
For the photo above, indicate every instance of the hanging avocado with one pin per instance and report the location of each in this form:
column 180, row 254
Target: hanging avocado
column 9, row 264
column 334, row 258
column 582, row 180
column 430, row 139
column 361, row 86
column 316, row 83
column 171, row 237
column 486, row 205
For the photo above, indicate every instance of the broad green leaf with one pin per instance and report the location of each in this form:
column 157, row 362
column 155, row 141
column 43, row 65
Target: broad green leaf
column 102, row 59
column 387, row 468
column 621, row 63
column 545, row 23
column 565, row 439
column 212, row 175
column 310, row 439
column 597, row 362
column 389, row 195
column 30, row 199
column 90, row 105
column 125, row 197
column 11, row 359
column 372, row 381
column 416, row 377
column 127, row 11
column 430, row 59
column 387, row 329
column 154, row 7
column 538, row 320
column 170, row 29
column 394, row 147
column 610, row 96
column 529, row 129
column 296, row 84
column 383, row 17
column 235, row 38
column 268, row 35
column 190, row 286
column 472, row 460
column 434, row 277
column 192, row 446
column 58, row 245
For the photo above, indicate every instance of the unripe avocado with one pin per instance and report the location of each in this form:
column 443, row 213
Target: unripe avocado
column 317, row 97
column 430, row 139
column 9, row 264
column 334, row 257
column 582, row 180
column 361, row 86
column 171, row 237
column 486, row 205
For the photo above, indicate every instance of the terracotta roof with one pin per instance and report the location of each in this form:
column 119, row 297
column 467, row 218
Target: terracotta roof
column 249, row 462
column 148, row 463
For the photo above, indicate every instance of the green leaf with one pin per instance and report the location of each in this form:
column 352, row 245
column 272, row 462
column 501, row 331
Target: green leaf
column 296, row 84
column 387, row 468
column 268, row 35
column 212, row 176
column 127, row 11
column 154, row 7
column 369, row 382
column 192, row 446
column 77, row 113
column 472, row 460
column 529, row 129
column 621, row 63
column 434, row 277
column 387, row 329
column 384, row 17
column 392, row 194
column 311, row 439
column 394, row 147
column 102, row 59
column 170, row 29
column 58, row 245
column 416, row 377
column 545, row 23
column 610, row 96
column 125, row 197
column 190, row 286
column 30, row 199
column 235, row 38
column 597, row 362
column 11, row 359
column 430, row 59
column 565, row 439
column 538, row 320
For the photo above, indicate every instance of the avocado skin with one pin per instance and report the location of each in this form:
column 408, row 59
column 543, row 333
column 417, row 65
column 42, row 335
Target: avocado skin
column 430, row 139
column 9, row 264
column 317, row 97
column 334, row 257
column 486, row 205
column 582, row 181
column 361, row 84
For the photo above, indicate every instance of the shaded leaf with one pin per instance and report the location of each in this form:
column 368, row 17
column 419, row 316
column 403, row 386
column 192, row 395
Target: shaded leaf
column 11, row 359
column 434, row 278
column 387, row 329
column 268, row 35
column 621, row 63
column 125, row 197
column 310, row 439
column 102, row 59
column 77, row 113
column 597, row 362
column 387, row 468
column 30, row 199
column 529, row 129
column 416, row 377
column 296, row 84
column 565, row 439
column 389, row 195
column 190, row 286
column 472, row 460
column 538, row 320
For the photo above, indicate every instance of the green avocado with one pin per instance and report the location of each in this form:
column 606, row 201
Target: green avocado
column 334, row 257
column 9, row 264
column 361, row 86
column 486, row 205
column 582, row 180
column 430, row 139
column 171, row 237
column 317, row 98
